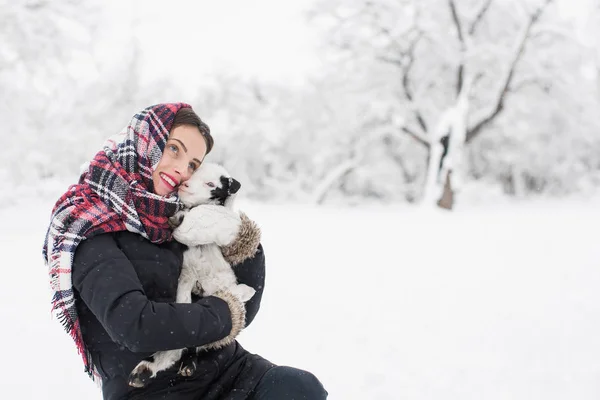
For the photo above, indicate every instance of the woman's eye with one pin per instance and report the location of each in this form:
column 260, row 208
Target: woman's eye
column 193, row 166
column 210, row 184
column 173, row 148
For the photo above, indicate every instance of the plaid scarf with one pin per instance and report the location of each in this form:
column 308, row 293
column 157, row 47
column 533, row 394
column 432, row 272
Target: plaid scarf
column 113, row 194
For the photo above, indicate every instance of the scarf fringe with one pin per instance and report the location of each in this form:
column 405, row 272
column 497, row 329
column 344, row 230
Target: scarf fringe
column 73, row 329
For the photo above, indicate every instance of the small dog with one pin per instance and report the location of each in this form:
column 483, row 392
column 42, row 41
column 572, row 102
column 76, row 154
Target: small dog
column 204, row 271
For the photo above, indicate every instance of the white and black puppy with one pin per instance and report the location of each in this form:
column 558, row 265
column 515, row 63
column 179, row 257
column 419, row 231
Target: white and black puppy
column 205, row 271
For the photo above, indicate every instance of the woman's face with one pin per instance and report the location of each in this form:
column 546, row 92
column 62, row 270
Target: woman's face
column 183, row 155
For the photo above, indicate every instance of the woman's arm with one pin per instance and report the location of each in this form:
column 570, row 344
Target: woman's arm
column 110, row 287
column 252, row 273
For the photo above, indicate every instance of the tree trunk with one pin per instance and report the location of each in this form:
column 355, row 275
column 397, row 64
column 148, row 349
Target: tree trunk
column 447, row 199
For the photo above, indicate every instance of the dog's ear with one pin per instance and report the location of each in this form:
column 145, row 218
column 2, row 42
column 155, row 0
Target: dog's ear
column 234, row 186
column 230, row 185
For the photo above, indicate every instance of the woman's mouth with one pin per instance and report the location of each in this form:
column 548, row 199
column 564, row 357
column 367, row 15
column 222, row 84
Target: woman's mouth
column 168, row 181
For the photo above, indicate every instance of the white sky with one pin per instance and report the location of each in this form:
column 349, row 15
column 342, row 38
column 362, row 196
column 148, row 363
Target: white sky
column 265, row 37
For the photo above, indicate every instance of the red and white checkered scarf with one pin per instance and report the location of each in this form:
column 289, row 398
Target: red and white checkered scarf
column 114, row 194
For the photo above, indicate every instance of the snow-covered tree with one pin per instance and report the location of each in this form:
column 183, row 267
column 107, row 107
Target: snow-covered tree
column 58, row 90
column 451, row 70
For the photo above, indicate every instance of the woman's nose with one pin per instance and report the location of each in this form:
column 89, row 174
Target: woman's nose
column 183, row 172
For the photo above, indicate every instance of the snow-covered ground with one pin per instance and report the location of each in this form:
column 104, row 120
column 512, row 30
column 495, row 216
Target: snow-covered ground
column 380, row 303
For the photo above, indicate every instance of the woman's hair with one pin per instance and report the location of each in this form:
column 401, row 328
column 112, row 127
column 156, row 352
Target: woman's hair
column 187, row 116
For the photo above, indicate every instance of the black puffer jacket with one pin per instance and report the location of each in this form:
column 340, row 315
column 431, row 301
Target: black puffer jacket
column 125, row 289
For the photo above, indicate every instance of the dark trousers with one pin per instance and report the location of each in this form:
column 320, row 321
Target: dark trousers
column 287, row 383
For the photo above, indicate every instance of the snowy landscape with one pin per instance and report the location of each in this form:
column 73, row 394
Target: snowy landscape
column 497, row 302
column 426, row 175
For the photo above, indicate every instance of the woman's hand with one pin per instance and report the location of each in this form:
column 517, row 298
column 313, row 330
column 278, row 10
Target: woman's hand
column 206, row 224
column 238, row 318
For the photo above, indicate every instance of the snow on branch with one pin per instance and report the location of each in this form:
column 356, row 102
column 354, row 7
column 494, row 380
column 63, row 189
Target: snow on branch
column 322, row 189
column 517, row 55
column 354, row 161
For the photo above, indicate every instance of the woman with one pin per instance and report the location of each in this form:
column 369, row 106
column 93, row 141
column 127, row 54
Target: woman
column 114, row 269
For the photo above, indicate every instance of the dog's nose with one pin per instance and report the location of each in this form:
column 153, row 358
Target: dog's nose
column 234, row 186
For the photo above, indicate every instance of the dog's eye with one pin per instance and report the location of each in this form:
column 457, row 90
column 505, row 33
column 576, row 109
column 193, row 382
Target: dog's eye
column 210, row 184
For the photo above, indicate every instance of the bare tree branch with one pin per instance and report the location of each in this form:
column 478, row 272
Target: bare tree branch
column 258, row 92
column 480, row 14
column 340, row 21
column 408, row 177
column 497, row 109
column 456, row 20
column 419, row 138
column 388, row 34
column 530, row 82
column 406, row 83
column 391, row 60
column 405, row 63
column 36, row 6
column 461, row 39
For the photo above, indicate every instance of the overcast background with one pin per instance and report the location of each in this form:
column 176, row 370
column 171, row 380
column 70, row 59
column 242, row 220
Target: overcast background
column 317, row 101
column 350, row 124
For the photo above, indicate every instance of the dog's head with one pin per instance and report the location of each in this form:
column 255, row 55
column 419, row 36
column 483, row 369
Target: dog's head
column 210, row 184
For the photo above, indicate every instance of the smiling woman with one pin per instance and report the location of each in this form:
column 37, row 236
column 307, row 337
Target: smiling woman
column 188, row 143
column 114, row 270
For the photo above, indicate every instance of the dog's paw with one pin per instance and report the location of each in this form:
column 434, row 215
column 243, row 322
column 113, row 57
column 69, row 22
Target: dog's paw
column 176, row 219
column 198, row 290
column 187, row 368
column 243, row 292
column 141, row 374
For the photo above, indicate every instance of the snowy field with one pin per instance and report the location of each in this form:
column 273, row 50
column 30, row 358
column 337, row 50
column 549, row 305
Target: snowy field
column 380, row 303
